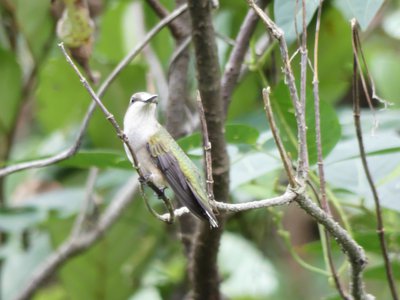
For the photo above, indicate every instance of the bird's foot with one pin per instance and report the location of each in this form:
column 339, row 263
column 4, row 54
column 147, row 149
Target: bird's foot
column 145, row 179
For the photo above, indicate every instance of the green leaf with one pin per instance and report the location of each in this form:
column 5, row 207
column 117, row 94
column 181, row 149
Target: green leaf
column 241, row 134
column 10, row 86
column 369, row 240
column 286, row 14
column 245, row 97
column 237, row 259
column 18, row 219
column 378, row 272
column 385, row 68
column 66, row 201
column 250, row 165
column 61, row 98
column 111, row 26
column 113, row 268
column 36, row 23
column 284, row 114
column 363, row 11
column 334, row 63
column 344, row 169
column 189, row 142
column 235, row 134
column 20, row 263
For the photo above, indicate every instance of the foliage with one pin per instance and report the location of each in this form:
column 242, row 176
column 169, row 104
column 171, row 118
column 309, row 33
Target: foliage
column 43, row 103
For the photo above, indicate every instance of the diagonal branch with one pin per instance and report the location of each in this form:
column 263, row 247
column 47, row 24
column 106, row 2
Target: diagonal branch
column 77, row 244
column 76, row 145
column 321, row 172
column 281, row 149
column 278, row 34
column 357, row 122
column 354, row 252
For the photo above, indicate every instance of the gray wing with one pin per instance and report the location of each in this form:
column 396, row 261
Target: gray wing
column 172, row 172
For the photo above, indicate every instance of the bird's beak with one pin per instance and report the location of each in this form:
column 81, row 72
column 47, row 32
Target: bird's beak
column 152, row 99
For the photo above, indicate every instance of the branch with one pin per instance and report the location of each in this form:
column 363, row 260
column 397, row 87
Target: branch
column 285, row 199
column 278, row 34
column 354, row 252
column 357, row 123
column 206, row 149
column 204, row 271
column 281, row 148
column 303, row 153
column 77, row 244
column 318, row 141
column 76, row 145
column 236, row 58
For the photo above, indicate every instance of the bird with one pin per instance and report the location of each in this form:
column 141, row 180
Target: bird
column 161, row 159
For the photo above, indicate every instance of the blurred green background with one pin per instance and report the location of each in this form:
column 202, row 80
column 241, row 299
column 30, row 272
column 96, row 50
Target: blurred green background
column 42, row 103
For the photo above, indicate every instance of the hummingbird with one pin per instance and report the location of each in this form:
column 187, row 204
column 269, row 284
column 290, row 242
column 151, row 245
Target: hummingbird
column 162, row 160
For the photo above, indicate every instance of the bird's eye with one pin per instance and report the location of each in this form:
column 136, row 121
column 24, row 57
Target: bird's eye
column 133, row 99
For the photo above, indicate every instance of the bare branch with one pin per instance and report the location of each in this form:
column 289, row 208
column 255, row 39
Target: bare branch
column 303, row 153
column 354, row 252
column 206, row 149
column 76, row 145
column 285, row 199
column 77, row 244
column 281, row 148
column 278, row 34
column 321, row 172
column 357, row 122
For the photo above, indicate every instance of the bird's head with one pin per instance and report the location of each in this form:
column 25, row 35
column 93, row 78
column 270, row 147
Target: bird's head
column 143, row 102
column 143, row 97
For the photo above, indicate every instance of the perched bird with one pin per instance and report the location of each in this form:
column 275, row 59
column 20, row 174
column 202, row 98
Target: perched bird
column 161, row 159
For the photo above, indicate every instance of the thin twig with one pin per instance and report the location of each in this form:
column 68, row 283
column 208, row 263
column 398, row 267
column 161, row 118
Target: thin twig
column 281, row 148
column 278, row 34
column 76, row 145
column 110, row 117
column 353, row 251
column 303, row 153
column 285, row 199
column 206, row 149
column 78, row 244
column 357, row 122
column 321, row 172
